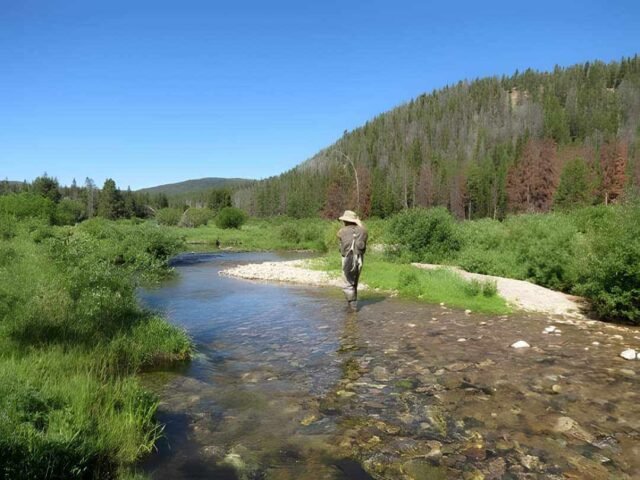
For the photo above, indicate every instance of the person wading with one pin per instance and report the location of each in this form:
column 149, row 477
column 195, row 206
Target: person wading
column 353, row 244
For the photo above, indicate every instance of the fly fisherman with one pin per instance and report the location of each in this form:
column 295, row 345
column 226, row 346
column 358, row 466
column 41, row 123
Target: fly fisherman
column 353, row 243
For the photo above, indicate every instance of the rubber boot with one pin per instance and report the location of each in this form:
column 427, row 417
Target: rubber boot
column 353, row 305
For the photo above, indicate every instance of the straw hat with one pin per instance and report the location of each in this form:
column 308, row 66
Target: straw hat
column 350, row 216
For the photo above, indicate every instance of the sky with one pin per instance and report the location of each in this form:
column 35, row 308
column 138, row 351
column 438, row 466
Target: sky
column 153, row 92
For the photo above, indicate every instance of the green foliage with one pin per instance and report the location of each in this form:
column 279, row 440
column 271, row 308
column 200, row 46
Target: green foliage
column 195, row 217
column 290, row 234
column 69, row 212
column 231, row 217
column 47, row 187
column 71, row 336
column 576, row 186
column 169, row 216
column 110, row 204
column 609, row 265
column 28, row 205
column 424, row 235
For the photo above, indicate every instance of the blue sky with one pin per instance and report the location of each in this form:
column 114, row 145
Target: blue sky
column 151, row 92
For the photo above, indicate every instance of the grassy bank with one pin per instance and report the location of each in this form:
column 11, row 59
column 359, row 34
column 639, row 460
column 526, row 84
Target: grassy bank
column 72, row 337
column 278, row 233
column 432, row 286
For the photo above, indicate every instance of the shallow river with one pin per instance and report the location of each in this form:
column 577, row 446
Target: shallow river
column 286, row 384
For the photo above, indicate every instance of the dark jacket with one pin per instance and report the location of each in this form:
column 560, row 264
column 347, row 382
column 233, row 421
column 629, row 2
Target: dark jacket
column 353, row 235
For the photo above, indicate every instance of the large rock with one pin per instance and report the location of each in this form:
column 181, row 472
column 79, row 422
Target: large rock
column 629, row 354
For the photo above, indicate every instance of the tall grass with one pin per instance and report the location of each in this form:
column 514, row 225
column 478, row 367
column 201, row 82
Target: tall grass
column 71, row 339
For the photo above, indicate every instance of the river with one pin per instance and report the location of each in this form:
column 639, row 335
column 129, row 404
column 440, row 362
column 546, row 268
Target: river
column 286, row 384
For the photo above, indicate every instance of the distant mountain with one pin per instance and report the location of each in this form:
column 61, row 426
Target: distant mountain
column 196, row 186
column 484, row 148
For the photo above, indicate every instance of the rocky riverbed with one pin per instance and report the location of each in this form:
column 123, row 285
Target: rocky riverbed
column 288, row 385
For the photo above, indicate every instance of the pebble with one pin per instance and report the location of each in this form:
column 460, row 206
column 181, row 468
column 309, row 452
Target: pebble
column 629, row 354
column 549, row 329
column 467, row 312
column 520, row 344
column 462, row 339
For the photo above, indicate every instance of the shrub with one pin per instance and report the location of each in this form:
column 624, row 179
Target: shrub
column 290, row 234
column 169, row 216
column 424, row 235
column 195, row 217
column 231, row 217
column 473, row 288
column 489, row 288
column 26, row 205
column 69, row 212
column 545, row 246
column 609, row 265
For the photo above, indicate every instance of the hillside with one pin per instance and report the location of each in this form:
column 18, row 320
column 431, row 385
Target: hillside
column 194, row 186
column 191, row 192
column 529, row 142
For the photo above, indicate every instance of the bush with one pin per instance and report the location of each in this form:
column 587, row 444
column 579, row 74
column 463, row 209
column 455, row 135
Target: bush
column 28, row 205
column 69, row 212
column 609, row 265
column 231, row 217
column 168, row 216
column 423, row 235
column 195, row 217
column 545, row 247
column 290, row 234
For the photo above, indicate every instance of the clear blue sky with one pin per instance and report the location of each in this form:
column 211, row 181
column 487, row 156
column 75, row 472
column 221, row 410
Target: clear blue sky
column 151, row 92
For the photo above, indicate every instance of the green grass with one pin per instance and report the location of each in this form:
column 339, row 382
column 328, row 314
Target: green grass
column 262, row 235
column 432, row 286
column 72, row 338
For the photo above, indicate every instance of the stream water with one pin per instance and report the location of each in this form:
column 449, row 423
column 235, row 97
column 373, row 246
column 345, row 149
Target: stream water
column 286, row 384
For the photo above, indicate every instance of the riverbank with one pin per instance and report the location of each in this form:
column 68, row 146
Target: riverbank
column 380, row 276
column 519, row 294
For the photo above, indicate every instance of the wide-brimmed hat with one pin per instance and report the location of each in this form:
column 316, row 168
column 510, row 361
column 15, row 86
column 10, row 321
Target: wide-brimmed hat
column 350, row 216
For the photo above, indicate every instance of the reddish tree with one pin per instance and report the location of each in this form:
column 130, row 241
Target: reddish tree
column 532, row 181
column 613, row 161
column 335, row 200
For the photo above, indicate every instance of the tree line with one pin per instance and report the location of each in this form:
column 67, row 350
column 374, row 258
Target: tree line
column 75, row 203
column 529, row 142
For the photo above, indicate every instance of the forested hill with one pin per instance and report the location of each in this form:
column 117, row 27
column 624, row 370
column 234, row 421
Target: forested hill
column 193, row 191
column 529, row 142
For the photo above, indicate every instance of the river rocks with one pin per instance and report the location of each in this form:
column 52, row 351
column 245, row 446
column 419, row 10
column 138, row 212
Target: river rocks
column 629, row 354
column 496, row 469
column 520, row 344
column 380, row 374
column 570, row 427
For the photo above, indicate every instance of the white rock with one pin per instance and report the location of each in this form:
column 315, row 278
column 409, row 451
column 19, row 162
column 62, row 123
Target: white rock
column 520, row 344
column 462, row 339
column 595, row 343
column 629, row 354
column 467, row 312
column 549, row 329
